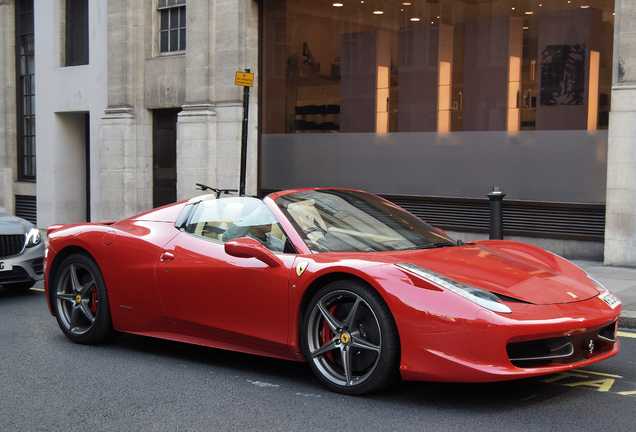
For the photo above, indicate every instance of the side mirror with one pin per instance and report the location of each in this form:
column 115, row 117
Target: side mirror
column 249, row 248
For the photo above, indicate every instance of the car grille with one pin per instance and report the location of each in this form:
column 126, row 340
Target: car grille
column 562, row 350
column 11, row 244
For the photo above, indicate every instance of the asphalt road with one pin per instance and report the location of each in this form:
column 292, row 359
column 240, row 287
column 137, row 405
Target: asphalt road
column 140, row 384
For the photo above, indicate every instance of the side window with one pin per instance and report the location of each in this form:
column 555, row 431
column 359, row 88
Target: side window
column 226, row 219
column 172, row 27
column 76, row 32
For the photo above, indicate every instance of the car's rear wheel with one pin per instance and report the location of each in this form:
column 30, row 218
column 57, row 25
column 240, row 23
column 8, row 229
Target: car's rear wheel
column 80, row 301
column 350, row 339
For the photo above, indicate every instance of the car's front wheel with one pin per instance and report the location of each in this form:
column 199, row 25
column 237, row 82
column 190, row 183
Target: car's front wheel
column 350, row 339
column 80, row 301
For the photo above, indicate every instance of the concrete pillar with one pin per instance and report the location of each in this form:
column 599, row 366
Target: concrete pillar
column 620, row 225
column 7, row 104
column 126, row 128
column 222, row 40
column 196, row 128
column 236, row 49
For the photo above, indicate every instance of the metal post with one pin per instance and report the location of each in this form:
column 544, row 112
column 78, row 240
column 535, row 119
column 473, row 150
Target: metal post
column 496, row 213
column 246, row 101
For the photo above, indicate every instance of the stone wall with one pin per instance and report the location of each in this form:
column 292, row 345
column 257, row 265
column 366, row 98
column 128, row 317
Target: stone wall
column 620, row 228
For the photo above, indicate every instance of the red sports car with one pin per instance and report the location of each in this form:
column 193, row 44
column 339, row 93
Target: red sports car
column 362, row 290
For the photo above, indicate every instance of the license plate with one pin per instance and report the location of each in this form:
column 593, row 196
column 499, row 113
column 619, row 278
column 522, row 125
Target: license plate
column 611, row 300
column 5, row 266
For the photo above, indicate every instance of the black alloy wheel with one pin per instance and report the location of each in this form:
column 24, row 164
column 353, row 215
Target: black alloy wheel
column 80, row 301
column 350, row 339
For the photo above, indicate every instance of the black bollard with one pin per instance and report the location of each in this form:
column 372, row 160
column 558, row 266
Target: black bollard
column 496, row 213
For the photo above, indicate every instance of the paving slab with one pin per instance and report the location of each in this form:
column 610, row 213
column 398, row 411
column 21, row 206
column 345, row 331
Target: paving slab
column 619, row 280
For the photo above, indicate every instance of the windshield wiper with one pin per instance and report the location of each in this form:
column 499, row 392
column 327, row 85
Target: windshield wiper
column 432, row 246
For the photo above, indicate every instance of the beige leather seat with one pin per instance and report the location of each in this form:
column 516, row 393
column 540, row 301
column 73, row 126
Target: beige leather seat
column 308, row 219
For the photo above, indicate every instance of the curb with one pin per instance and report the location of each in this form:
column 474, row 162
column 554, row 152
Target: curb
column 627, row 320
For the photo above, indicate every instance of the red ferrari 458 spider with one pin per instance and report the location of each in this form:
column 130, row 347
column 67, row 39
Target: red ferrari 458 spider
column 362, row 290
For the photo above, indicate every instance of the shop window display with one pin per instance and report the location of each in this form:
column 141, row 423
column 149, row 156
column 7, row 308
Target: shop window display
column 444, row 66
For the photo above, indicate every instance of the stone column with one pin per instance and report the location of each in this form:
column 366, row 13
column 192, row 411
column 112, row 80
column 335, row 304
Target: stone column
column 620, row 224
column 236, row 49
column 126, row 128
column 222, row 40
column 8, row 135
column 196, row 125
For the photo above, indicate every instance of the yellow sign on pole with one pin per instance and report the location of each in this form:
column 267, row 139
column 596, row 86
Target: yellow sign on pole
column 245, row 79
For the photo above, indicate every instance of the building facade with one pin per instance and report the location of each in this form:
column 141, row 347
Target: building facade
column 429, row 103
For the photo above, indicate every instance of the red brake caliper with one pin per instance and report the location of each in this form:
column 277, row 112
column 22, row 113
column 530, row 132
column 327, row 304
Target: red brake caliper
column 327, row 334
column 94, row 300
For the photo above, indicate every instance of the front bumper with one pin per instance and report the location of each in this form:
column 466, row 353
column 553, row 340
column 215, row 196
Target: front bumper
column 28, row 266
column 533, row 340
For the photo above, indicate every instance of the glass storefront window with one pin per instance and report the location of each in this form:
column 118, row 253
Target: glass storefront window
column 436, row 65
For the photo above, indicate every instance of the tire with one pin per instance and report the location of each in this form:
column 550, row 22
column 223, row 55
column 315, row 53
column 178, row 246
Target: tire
column 18, row 286
column 349, row 338
column 80, row 301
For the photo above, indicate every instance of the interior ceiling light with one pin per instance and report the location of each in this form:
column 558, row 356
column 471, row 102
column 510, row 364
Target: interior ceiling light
column 378, row 12
column 584, row 7
column 406, row 4
column 529, row 13
column 415, row 19
column 338, row 5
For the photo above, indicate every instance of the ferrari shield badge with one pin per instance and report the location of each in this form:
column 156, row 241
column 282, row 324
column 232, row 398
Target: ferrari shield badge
column 300, row 268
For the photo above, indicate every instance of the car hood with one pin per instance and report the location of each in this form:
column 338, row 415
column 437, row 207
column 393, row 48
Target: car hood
column 512, row 269
column 12, row 225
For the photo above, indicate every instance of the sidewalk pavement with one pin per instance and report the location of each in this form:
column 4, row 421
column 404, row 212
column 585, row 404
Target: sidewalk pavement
column 619, row 280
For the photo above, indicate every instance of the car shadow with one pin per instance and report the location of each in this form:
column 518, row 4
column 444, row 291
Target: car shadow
column 477, row 397
column 9, row 294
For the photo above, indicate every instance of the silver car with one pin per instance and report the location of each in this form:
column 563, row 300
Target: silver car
column 21, row 253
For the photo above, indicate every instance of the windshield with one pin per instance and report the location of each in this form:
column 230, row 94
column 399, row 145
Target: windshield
column 225, row 219
column 341, row 220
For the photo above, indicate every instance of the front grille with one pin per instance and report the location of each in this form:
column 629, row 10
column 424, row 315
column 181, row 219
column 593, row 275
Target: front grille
column 524, row 350
column 562, row 350
column 11, row 244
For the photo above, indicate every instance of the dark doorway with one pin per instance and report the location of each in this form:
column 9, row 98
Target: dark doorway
column 164, row 157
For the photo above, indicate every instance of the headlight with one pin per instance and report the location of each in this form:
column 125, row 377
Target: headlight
column 481, row 297
column 33, row 237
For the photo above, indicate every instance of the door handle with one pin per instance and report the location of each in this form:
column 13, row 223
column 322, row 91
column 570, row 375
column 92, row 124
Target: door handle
column 166, row 256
